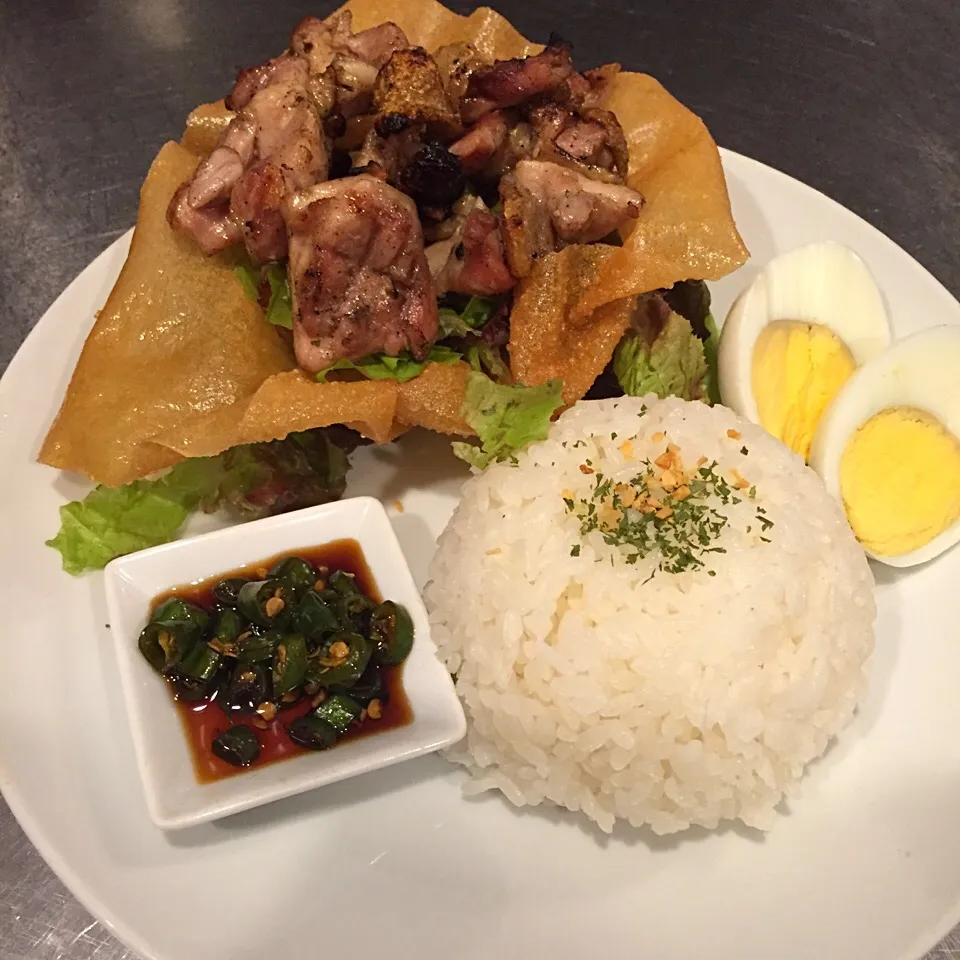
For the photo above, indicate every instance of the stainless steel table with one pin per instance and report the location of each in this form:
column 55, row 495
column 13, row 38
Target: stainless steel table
column 860, row 98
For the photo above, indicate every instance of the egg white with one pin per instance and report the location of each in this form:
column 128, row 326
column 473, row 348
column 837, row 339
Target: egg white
column 921, row 371
column 824, row 283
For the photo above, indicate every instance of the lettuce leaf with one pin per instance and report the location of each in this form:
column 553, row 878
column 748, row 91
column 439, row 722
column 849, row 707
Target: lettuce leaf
column 691, row 299
column 661, row 354
column 401, row 369
column 249, row 277
column 710, row 348
column 470, row 318
column 250, row 481
column 506, row 418
column 279, row 309
column 111, row 521
column 487, row 358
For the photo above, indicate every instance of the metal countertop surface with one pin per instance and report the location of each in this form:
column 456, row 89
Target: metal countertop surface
column 858, row 98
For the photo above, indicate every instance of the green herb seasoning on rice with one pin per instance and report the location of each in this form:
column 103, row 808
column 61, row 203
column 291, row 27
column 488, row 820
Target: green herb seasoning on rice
column 658, row 615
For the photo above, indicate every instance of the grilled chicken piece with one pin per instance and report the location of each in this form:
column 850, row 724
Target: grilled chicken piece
column 375, row 45
column 211, row 227
column 480, row 144
column 546, row 206
column 434, row 178
column 358, row 273
column 410, row 85
column 251, row 80
column 273, row 147
column 590, row 142
column 216, row 175
column 590, row 89
column 510, row 82
column 292, row 153
column 277, row 145
column 383, row 155
column 321, row 41
column 395, row 150
column 201, row 206
column 471, row 258
column 353, row 59
column 456, row 62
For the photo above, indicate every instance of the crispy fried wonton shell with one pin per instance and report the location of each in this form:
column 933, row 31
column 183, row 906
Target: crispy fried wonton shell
column 180, row 364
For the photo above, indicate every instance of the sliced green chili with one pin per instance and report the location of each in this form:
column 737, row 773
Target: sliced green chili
column 225, row 592
column 264, row 602
column 229, row 624
column 314, row 617
column 339, row 711
column 289, row 664
column 256, row 647
column 201, row 663
column 247, row 688
column 295, row 573
column 369, row 687
column 391, row 629
column 329, row 666
column 173, row 608
column 238, row 746
column 344, row 583
column 311, row 732
column 165, row 643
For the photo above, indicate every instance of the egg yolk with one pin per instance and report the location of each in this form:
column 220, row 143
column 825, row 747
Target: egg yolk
column 798, row 368
column 900, row 481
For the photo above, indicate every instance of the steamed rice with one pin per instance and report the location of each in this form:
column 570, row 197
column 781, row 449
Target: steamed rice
column 611, row 688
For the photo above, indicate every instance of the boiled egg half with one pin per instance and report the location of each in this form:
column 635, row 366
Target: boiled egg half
column 888, row 448
column 796, row 335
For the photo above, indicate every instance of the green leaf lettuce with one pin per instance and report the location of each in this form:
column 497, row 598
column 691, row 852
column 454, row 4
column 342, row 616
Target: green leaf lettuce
column 505, row 418
column 471, row 317
column 401, row 369
column 279, row 309
column 710, row 347
column 250, row 481
column 661, row 354
column 111, row 521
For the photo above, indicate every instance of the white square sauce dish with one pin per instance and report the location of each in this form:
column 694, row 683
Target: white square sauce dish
column 183, row 782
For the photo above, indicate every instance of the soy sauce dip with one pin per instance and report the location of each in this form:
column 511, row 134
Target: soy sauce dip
column 205, row 718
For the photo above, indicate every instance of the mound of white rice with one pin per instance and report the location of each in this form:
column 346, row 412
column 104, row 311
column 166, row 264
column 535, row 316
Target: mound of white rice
column 621, row 690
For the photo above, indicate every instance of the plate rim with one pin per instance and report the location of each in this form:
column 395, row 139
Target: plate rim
column 71, row 878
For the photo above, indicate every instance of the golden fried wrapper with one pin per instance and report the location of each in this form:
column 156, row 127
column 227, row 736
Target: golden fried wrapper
column 179, row 363
column 434, row 399
column 176, row 340
column 431, row 25
column 204, row 126
column 286, row 403
column 545, row 341
column 410, row 84
column 685, row 230
column 294, row 401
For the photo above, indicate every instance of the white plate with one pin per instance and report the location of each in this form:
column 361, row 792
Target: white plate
column 865, row 867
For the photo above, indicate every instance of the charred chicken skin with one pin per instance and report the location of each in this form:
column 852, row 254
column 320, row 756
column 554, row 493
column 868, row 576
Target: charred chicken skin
column 349, row 148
